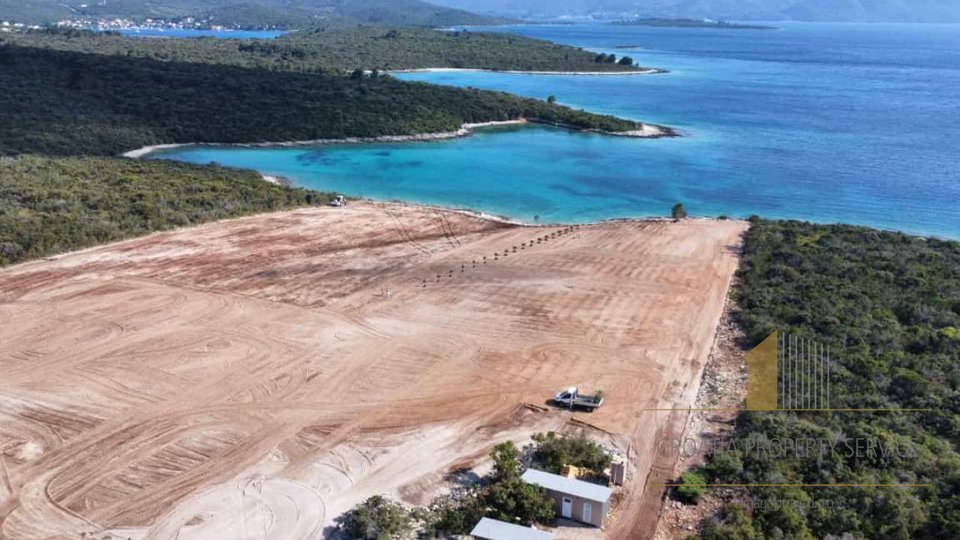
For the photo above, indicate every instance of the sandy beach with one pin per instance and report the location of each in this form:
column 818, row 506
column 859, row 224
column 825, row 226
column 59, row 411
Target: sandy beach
column 253, row 374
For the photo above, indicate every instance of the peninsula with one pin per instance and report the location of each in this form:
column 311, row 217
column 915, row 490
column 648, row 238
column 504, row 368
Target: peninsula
column 309, row 86
column 692, row 23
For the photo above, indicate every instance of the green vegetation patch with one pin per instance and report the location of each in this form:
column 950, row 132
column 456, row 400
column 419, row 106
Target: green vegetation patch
column 49, row 206
column 692, row 487
column 888, row 305
column 554, row 451
column 377, row 518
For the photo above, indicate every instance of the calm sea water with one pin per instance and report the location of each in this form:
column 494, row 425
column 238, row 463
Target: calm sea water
column 221, row 34
column 827, row 122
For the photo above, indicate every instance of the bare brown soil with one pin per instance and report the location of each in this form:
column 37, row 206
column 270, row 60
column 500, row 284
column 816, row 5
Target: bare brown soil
column 253, row 378
column 722, row 395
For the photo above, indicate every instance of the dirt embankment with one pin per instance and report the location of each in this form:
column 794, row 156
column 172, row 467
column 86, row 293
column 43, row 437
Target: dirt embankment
column 722, row 395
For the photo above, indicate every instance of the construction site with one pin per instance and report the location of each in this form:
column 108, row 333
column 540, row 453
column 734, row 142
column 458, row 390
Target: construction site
column 258, row 377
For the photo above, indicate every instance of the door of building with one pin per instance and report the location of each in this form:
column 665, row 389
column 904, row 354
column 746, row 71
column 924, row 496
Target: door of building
column 588, row 512
column 566, row 509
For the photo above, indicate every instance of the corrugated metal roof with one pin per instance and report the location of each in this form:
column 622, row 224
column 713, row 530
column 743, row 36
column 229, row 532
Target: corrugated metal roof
column 579, row 488
column 501, row 530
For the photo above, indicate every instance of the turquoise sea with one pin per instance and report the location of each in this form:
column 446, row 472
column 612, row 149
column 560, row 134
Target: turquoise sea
column 854, row 123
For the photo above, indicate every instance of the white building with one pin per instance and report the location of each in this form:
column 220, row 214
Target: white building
column 491, row 529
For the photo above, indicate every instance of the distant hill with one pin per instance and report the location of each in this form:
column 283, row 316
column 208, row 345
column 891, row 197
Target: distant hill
column 771, row 10
column 248, row 13
column 343, row 49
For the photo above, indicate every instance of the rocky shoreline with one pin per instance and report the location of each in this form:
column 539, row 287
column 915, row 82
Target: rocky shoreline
column 645, row 131
column 645, row 71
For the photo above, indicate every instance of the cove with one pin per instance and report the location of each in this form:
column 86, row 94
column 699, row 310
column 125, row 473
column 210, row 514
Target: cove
column 852, row 123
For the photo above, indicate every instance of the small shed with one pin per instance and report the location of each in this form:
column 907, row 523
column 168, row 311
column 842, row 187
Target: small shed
column 575, row 499
column 491, row 529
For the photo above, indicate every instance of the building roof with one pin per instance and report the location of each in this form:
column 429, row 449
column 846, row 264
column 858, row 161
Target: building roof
column 501, row 530
column 578, row 488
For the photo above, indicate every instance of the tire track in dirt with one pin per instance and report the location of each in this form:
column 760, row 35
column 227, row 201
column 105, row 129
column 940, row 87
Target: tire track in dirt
column 250, row 372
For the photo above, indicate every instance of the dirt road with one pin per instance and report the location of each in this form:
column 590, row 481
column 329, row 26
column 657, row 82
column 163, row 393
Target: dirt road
column 255, row 378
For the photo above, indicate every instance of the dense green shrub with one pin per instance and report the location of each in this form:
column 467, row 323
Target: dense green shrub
column 449, row 516
column 377, row 518
column 508, row 498
column 554, row 451
column 731, row 523
column 516, row 501
column 692, row 487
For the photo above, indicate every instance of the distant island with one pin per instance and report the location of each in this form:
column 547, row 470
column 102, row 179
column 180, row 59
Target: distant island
column 692, row 23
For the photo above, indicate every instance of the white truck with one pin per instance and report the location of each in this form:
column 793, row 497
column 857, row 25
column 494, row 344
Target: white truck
column 572, row 398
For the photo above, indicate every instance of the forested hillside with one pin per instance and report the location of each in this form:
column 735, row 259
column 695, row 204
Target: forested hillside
column 247, row 13
column 339, row 50
column 49, row 206
column 67, row 103
column 888, row 305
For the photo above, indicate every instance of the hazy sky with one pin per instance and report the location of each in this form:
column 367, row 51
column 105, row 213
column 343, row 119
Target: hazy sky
column 808, row 10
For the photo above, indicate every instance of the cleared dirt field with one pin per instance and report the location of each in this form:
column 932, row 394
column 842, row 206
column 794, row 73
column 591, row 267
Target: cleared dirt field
column 256, row 378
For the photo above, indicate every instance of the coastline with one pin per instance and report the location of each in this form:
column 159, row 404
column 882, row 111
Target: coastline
column 479, row 214
column 141, row 152
column 646, row 131
column 645, row 71
column 380, row 203
column 506, row 220
column 464, row 131
column 277, row 180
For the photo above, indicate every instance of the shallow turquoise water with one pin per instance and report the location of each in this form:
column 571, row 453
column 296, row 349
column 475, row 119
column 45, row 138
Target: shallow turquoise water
column 826, row 122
